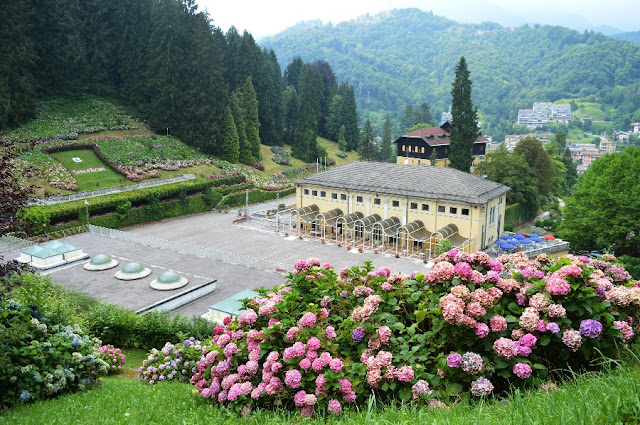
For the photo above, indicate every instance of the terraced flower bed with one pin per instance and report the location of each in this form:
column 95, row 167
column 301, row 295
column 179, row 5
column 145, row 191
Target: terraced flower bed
column 64, row 118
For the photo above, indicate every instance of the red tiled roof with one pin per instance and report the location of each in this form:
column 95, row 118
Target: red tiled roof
column 436, row 135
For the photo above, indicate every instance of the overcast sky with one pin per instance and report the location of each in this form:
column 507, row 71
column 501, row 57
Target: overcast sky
column 267, row 17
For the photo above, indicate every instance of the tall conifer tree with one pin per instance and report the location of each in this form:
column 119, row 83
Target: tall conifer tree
column 464, row 129
column 386, row 149
column 229, row 148
column 368, row 150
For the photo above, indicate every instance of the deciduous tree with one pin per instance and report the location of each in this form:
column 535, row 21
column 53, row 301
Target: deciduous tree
column 604, row 209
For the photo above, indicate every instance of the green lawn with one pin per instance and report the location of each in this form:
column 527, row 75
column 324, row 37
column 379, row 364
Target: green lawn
column 609, row 397
column 91, row 180
column 587, row 109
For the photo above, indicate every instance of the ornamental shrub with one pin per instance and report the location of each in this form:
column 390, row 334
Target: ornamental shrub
column 174, row 362
column 469, row 325
column 41, row 359
column 113, row 357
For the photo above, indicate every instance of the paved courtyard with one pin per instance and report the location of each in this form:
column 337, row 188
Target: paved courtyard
column 261, row 255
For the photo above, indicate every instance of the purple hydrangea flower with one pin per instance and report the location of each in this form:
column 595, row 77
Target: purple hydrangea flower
column 590, row 328
column 358, row 334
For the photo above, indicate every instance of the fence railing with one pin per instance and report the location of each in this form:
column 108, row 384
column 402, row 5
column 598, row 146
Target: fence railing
column 199, row 251
column 50, row 200
column 10, row 243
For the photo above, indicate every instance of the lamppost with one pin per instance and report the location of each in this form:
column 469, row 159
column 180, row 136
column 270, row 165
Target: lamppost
column 86, row 205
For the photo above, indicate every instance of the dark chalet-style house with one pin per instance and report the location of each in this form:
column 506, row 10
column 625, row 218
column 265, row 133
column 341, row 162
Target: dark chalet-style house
column 416, row 147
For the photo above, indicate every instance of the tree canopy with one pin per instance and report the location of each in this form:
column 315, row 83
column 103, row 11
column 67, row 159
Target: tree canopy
column 604, row 209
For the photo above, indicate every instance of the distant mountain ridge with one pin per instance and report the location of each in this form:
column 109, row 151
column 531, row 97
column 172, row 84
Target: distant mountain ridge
column 404, row 57
column 633, row 36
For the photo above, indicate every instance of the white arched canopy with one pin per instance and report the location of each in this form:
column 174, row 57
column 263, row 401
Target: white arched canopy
column 385, row 231
column 305, row 216
column 362, row 227
column 345, row 223
column 413, row 235
column 328, row 219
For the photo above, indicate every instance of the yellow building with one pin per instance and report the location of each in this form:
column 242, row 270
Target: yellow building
column 425, row 145
column 409, row 209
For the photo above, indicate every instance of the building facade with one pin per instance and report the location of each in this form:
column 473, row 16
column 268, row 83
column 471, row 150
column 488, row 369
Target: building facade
column 421, row 198
column 427, row 145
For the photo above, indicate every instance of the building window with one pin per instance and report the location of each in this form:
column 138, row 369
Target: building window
column 343, row 196
column 425, row 207
column 423, row 149
column 403, row 148
column 306, row 191
column 500, row 200
column 441, row 208
column 395, row 204
column 492, row 215
column 453, row 210
column 323, row 194
column 414, row 205
column 376, row 201
column 334, row 195
column 465, row 211
column 359, row 199
column 314, row 193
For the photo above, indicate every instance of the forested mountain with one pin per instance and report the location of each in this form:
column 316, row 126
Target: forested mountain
column 633, row 36
column 406, row 57
column 165, row 60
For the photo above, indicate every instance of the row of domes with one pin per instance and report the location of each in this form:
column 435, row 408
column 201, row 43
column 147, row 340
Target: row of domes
column 131, row 271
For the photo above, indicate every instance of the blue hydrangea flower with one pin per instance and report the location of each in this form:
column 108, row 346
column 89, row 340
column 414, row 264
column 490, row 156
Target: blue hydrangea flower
column 358, row 334
column 25, row 396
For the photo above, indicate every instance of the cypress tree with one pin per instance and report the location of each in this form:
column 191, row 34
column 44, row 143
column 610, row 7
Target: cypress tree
column 244, row 147
column 229, row 148
column 249, row 106
column 464, row 129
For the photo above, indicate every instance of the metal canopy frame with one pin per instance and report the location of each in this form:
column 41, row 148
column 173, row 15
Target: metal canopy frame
column 305, row 215
column 346, row 224
column 411, row 233
column 328, row 219
column 385, row 230
column 362, row 227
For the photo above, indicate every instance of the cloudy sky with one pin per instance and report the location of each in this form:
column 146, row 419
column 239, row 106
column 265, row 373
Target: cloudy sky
column 267, row 17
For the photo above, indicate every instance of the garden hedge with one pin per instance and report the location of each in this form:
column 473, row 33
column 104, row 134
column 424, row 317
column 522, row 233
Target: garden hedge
column 144, row 205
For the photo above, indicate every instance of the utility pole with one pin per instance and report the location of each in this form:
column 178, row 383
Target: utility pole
column 246, row 211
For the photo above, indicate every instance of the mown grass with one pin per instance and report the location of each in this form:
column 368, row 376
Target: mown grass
column 612, row 396
column 94, row 179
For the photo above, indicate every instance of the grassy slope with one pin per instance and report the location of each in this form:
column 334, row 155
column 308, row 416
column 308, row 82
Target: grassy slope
column 91, row 180
column 590, row 399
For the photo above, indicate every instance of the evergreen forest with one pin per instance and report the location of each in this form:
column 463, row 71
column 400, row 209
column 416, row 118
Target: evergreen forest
column 165, row 60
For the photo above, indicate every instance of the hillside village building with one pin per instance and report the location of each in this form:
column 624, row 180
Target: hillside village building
column 417, row 147
column 543, row 113
column 393, row 207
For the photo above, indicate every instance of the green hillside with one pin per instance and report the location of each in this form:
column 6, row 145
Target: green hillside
column 406, row 57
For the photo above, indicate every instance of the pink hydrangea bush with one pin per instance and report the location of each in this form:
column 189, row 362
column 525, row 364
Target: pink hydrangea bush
column 325, row 340
column 174, row 362
column 113, row 357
